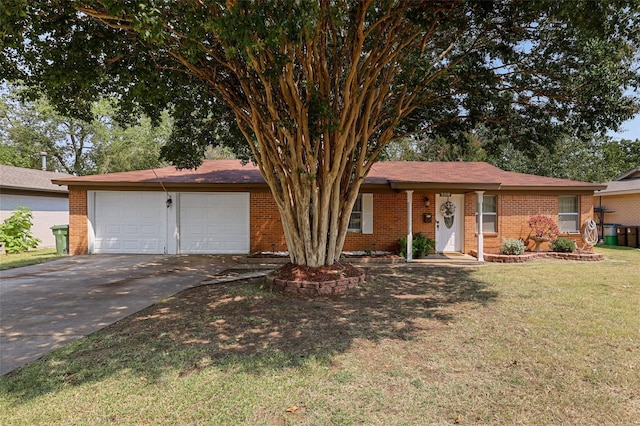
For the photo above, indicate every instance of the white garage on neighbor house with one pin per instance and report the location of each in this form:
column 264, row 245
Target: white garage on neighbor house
column 174, row 222
column 33, row 188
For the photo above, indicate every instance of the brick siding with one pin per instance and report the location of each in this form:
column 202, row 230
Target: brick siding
column 78, row 222
column 389, row 220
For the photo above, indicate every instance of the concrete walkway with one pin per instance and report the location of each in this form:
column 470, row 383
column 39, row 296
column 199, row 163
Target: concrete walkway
column 43, row 307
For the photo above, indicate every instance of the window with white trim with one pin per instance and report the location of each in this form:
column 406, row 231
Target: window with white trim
column 489, row 214
column 361, row 219
column 568, row 214
column 355, row 222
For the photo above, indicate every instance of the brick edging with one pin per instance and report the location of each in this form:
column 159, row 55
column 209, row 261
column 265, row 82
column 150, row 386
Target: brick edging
column 526, row 257
column 315, row 288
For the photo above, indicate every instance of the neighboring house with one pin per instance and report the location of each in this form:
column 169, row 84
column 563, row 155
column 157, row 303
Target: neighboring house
column 225, row 207
column 620, row 202
column 33, row 188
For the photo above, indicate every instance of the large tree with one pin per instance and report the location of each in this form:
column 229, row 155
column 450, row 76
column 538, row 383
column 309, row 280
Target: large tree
column 319, row 88
column 75, row 145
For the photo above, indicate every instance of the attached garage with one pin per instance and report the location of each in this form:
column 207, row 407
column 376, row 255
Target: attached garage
column 214, row 223
column 142, row 222
column 130, row 222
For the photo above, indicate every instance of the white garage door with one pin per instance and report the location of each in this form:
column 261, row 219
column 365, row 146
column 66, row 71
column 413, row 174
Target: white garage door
column 130, row 222
column 214, row 222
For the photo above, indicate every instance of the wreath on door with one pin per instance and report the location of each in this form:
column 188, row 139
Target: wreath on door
column 448, row 210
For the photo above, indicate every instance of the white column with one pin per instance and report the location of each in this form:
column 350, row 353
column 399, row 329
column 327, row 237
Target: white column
column 480, row 236
column 410, row 226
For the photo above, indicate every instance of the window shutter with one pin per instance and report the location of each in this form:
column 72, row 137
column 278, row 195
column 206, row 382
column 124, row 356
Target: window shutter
column 367, row 213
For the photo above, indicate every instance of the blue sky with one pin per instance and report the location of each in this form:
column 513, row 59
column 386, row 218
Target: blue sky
column 629, row 129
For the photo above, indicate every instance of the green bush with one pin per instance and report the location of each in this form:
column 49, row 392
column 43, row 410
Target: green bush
column 15, row 231
column 421, row 246
column 563, row 245
column 512, row 246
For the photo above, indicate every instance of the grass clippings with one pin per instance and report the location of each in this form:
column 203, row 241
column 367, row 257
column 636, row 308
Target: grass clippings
column 547, row 342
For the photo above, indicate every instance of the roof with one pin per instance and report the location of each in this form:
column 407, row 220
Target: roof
column 628, row 183
column 631, row 174
column 397, row 174
column 19, row 178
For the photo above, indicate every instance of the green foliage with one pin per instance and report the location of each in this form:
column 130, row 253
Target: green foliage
column 588, row 158
column 74, row 145
column 421, row 245
column 512, row 246
column 523, row 68
column 563, row 245
column 15, row 231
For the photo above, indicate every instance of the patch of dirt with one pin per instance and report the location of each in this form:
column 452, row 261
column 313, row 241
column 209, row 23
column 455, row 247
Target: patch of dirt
column 291, row 272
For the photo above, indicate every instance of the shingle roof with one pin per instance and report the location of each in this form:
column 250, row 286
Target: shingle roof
column 397, row 174
column 30, row 179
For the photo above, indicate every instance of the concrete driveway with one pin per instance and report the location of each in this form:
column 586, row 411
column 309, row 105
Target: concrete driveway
column 43, row 307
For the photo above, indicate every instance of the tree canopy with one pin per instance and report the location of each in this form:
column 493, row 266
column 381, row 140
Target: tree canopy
column 75, row 145
column 313, row 91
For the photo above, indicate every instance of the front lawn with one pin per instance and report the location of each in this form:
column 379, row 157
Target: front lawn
column 545, row 342
column 31, row 257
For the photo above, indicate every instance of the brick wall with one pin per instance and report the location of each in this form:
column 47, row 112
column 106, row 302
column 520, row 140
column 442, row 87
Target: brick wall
column 78, row 222
column 389, row 223
column 626, row 209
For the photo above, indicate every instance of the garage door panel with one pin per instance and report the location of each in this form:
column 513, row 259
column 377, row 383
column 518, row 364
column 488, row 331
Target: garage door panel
column 214, row 223
column 130, row 222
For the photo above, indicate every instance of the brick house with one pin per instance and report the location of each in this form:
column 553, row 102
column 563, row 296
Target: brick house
column 225, row 207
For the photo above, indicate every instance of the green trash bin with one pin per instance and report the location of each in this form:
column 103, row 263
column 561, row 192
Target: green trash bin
column 61, row 233
column 610, row 237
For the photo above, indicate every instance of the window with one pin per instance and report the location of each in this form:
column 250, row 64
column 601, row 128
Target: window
column 361, row 219
column 489, row 214
column 355, row 222
column 568, row 215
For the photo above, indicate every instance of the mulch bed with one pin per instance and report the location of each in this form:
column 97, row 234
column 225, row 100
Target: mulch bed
column 308, row 281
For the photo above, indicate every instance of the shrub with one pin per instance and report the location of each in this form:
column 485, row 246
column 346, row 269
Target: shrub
column 421, row 245
column 512, row 246
column 15, row 231
column 543, row 227
column 563, row 245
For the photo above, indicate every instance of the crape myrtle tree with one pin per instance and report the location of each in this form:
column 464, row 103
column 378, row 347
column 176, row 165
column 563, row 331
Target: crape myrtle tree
column 313, row 91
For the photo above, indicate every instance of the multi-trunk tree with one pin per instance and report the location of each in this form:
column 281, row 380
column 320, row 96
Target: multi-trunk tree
column 317, row 89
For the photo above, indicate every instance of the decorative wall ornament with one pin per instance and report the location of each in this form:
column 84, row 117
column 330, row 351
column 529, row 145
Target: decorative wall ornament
column 448, row 211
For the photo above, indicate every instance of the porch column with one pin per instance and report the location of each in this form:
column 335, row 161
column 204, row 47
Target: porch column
column 410, row 226
column 480, row 236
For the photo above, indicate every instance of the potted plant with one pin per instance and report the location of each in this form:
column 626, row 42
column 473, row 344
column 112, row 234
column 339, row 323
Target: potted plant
column 421, row 246
column 543, row 229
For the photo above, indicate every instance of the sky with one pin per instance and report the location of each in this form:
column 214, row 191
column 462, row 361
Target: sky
column 629, row 129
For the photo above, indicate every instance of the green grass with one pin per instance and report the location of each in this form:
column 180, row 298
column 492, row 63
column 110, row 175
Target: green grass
column 545, row 342
column 31, row 257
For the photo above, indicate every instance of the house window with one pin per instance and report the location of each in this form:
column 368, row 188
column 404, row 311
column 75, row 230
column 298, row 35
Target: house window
column 568, row 214
column 489, row 214
column 361, row 219
column 355, row 222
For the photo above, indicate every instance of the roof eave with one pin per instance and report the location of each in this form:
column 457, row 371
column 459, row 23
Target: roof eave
column 620, row 192
column 441, row 186
column 552, row 188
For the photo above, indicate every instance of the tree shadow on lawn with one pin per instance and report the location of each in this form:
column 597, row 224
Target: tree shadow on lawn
column 242, row 326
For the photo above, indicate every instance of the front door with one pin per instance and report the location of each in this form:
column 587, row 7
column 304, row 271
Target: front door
column 449, row 223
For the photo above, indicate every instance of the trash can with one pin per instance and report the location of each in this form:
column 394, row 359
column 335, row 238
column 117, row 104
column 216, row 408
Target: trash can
column 61, row 233
column 622, row 235
column 632, row 236
column 609, row 231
